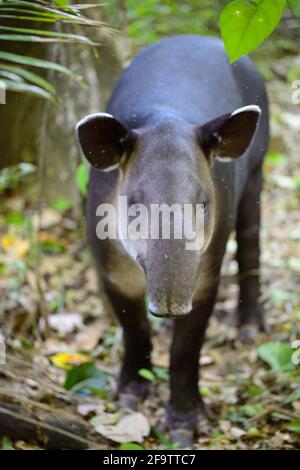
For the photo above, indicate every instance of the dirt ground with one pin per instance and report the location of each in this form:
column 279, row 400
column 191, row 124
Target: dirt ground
column 254, row 390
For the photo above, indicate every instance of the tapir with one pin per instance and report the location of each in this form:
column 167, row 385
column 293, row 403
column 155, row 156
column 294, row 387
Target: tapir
column 183, row 126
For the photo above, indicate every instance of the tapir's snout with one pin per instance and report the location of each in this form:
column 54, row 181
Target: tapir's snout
column 171, row 274
column 175, row 311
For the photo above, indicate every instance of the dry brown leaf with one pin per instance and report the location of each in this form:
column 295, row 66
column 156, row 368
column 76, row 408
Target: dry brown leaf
column 88, row 338
column 65, row 323
column 131, row 428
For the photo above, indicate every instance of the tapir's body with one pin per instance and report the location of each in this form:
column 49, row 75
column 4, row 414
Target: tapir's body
column 167, row 95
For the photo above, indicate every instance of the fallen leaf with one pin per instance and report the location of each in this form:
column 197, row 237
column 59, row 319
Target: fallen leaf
column 69, row 360
column 88, row 338
column 206, row 360
column 65, row 323
column 131, row 428
column 236, row 433
column 17, row 248
column 84, row 409
column 225, row 426
column 47, row 219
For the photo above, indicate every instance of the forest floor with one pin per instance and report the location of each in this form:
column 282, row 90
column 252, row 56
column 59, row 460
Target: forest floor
column 254, row 390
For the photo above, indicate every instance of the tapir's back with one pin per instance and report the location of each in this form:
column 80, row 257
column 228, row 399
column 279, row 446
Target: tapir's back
column 189, row 74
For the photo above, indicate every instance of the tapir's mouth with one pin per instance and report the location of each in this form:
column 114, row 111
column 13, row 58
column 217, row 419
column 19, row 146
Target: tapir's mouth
column 176, row 311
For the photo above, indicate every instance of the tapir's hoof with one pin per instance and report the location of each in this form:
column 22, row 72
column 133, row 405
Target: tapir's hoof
column 248, row 333
column 128, row 400
column 251, row 323
column 183, row 427
column 182, row 437
column 133, row 394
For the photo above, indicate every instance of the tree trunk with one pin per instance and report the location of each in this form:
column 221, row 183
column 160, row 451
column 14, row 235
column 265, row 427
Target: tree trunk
column 30, row 126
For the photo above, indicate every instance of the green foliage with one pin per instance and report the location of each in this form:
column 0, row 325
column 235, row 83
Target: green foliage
column 294, row 396
column 87, row 379
column 277, row 355
column 62, row 3
column 149, row 20
column 294, row 425
column 130, row 446
column 254, row 391
column 157, row 373
column 147, row 374
column 276, row 159
column 294, row 6
column 164, row 440
column 14, row 218
column 251, row 410
column 11, row 177
column 246, row 24
column 6, row 444
column 22, row 79
column 82, row 178
column 62, row 204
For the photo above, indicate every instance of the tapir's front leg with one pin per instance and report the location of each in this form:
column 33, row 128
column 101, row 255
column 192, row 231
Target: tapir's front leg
column 186, row 408
column 131, row 314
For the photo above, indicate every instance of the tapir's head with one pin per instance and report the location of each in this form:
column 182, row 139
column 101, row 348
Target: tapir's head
column 167, row 162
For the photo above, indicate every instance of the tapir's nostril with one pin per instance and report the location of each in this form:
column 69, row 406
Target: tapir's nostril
column 175, row 311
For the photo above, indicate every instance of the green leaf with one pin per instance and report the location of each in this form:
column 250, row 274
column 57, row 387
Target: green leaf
column 279, row 296
column 282, row 416
column 276, row 159
column 82, row 179
column 83, row 376
column 294, row 396
column 52, row 246
column 147, row 374
column 164, row 439
column 251, row 410
column 6, row 444
column 254, row 391
column 21, row 87
column 294, row 425
column 295, row 6
column 62, row 3
column 161, row 373
column 277, row 355
column 14, row 218
column 130, row 446
column 204, row 391
column 3, row 268
column 29, row 76
column 74, row 38
column 62, row 204
column 42, row 11
column 32, row 61
column 11, row 176
column 245, row 25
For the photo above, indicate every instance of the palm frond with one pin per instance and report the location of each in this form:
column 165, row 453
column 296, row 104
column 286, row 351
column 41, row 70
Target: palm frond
column 15, row 69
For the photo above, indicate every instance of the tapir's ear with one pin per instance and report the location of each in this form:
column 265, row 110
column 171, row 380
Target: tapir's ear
column 104, row 140
column 228, row 136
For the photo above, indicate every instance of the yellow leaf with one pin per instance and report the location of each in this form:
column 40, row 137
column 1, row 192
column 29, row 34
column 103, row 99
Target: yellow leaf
column 69, row 360
column 21, row 248
column 7, row 241
column 18, row 248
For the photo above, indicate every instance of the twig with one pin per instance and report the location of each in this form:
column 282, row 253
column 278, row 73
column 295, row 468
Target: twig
column 273, row 409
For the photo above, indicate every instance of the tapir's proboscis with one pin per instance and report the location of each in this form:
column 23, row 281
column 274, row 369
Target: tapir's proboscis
column 183, row 126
